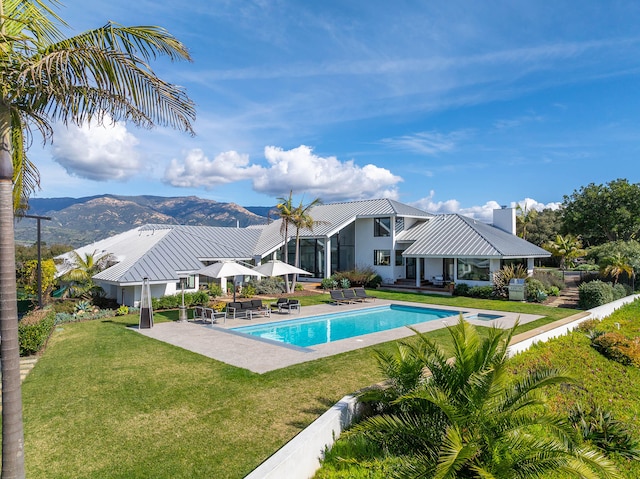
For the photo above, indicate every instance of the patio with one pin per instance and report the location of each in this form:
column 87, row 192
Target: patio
column 261, row 356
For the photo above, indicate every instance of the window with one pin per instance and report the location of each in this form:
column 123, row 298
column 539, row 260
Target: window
column 189, row 282
column 473, row 269
column 399, row 258
column 382, row 257
column 381, row 226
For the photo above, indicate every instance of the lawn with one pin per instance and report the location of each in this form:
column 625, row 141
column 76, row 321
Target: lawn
column 105, row 401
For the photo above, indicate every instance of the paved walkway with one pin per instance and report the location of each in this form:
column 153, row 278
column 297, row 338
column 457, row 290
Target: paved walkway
column 261, row 355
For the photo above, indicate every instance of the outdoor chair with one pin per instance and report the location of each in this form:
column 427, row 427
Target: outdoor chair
column 198, row 313
column 279, row 304
column 211, row 315
column 291, row 305
column 362, row 294
column 350, row 296
column 337, row 297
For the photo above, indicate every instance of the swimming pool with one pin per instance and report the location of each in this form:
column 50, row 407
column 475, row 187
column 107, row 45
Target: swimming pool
column 334, row 327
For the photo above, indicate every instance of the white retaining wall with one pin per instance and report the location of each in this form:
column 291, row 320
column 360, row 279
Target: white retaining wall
column 300, row 457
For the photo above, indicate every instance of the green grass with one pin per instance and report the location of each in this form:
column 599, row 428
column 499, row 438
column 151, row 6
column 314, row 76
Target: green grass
column 105, row 401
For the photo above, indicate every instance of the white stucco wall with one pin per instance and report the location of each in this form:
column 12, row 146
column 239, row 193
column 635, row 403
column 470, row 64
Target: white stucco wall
column 367, row 244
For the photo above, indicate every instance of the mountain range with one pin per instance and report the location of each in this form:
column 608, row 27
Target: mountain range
column 80, row 221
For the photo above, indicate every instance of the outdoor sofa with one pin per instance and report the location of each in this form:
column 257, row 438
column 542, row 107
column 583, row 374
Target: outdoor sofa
column 244, row 309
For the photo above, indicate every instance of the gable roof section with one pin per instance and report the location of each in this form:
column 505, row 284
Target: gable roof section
column 180, row 248
column 454, row 235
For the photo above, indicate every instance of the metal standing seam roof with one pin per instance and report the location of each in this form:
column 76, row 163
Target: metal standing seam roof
column 453, row 235
column 182, row 248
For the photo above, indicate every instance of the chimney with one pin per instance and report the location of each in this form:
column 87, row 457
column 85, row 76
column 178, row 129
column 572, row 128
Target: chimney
column 505, row 219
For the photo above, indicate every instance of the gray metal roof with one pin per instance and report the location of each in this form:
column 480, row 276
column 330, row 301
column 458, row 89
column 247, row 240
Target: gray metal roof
column 454, row 235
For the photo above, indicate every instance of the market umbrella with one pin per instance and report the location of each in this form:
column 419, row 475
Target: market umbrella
column 225, row 269
column 278, row 268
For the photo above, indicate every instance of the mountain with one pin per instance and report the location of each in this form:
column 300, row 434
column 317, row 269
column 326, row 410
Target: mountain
column 79, row 221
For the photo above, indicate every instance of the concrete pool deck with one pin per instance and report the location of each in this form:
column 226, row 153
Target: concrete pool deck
column 261, row 356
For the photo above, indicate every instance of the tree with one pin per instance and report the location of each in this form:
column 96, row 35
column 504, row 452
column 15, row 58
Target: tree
column 601, row 213
column 524, row 217
column 79, row 277
column 617, row 265
column 46, row 78
column 286, row 213
column 468, row 417
column 566, row 248
column 545, row 226
column 30, row 276
column 301, row 219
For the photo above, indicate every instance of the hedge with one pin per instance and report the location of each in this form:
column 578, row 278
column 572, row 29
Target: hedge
column 34, row 330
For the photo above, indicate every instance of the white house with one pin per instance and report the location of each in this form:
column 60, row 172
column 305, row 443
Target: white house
column 399, row 241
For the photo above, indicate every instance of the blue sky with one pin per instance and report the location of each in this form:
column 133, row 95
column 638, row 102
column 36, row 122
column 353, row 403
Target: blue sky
column 456, row 106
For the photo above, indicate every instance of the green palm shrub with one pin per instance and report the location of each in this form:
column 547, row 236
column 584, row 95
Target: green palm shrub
column 470, row 418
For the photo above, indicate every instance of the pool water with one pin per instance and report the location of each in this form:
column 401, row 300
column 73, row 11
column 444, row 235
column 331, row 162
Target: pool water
column 334, row 327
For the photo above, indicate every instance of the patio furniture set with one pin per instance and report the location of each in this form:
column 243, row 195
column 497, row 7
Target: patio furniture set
column 349, row 295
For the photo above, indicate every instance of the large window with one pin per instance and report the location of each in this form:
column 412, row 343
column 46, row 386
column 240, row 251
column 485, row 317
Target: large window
column 473, row 269
column 381, row 226
column 382, row 257
column 399, row 258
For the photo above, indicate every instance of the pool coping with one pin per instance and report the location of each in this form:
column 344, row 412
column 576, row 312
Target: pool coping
column 259, row 356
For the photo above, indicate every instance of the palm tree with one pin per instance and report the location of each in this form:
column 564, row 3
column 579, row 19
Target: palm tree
column 83, row 268
column 617, row 265
column 286, row 212
column 470, row 418
column 567, row 248
column 301, row 219
column 46, row 78
column 524, row 217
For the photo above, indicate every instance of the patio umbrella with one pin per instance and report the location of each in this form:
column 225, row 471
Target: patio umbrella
column 225, row 269
column 278, row 268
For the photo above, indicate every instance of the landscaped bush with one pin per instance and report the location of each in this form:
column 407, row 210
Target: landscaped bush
column 534, row 290
column 63, row 306
column 482, row 292
column 345, row 283
column 248, row 291
column 503, row 276
column 34, row 330
column 593, row 294
column 588, row 325
column 360, row 276
column 461, row 289
column 122, row 310
column 550, row 280
column 587, row 267
column 598, row 426
column 175, row 300
column 621, row 290
column 88, row 316
column 618, row 347
column 329, row 283
column 268, row 286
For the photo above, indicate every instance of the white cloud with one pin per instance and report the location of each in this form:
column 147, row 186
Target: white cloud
column 97, row 152
column 196, row 170
column 330, row 179
column 482, row 213
column 427, row 142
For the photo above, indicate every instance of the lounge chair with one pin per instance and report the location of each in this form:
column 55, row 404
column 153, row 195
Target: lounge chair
column 350, row 296
column 338, row 297
column 362, row 294
column 211, row 315
column 291, row 305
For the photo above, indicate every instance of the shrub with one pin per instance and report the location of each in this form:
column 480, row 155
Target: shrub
column 373, row 282
column 533, row 289
column 63, row 306
column 248, row 291
column 502, row 277
column 218, row 306
column 587, row 267
column 550, row 279
column 598, row 426
column 269, row 285
column 553, row 291
column 345, row 283
column 34, row 330
column 588, row 325
column 299, row 287
column 461, row 289
column 618, row 347
column 594, row 293
column 482, row 292
column 620, row 291
column 215, row 290
column 175, row 300
column 360, row 276
column 122, row 310
column 329, row 283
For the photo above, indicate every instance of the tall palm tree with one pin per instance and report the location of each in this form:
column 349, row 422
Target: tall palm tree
column 524, row 217
column 47, row 78
column 302, row 219
column 470, row 418
column 286, row 212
